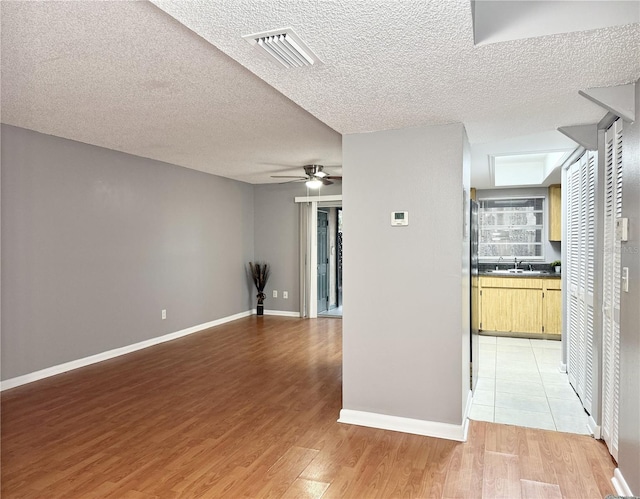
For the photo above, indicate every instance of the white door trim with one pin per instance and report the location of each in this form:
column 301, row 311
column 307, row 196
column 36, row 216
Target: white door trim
column 319, row 199
column 309, row 289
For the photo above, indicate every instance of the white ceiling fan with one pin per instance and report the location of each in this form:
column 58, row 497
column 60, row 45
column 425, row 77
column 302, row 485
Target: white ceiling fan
column 314, row 177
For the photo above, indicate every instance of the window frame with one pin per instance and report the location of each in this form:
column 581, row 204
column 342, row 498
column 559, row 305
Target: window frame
column 543, row 227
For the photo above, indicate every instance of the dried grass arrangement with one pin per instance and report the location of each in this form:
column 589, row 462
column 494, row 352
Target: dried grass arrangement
column 260, row 274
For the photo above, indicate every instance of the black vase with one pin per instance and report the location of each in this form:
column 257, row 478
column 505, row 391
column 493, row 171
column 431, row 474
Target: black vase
column 260, row 309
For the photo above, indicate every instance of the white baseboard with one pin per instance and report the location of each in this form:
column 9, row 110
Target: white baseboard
column 467, row 408
column 116, row 352
column 465, row 419
column 594, row 427
column 620, row 484
column 282, row 313
column 405, row 425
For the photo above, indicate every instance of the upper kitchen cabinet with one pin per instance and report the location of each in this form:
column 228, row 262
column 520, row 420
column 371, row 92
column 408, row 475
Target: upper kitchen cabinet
column 555, row 213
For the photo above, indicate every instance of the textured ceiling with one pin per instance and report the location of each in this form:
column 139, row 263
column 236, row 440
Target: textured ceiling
column 124, row 75
column 401, row 63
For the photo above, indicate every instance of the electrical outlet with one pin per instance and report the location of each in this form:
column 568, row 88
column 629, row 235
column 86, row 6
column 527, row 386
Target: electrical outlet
column 285, row 295
column 164, row 314
column 275, row 293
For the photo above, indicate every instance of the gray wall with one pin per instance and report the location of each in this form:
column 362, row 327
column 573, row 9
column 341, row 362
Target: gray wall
column 277, row 239
column 465, row 277
column 406, row 315
column 552, row 250
column 96, row 242
column 629, row 416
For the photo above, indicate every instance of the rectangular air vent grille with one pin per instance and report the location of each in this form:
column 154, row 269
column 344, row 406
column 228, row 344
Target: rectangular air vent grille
column 283, row 46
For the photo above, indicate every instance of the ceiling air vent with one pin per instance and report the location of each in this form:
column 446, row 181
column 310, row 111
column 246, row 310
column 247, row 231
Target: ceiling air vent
column 284, row 46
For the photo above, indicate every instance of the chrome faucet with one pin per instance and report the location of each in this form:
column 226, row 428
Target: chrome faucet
column 497, row 264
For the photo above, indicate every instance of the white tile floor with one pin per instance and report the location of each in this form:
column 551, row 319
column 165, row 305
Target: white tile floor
column 520, row 383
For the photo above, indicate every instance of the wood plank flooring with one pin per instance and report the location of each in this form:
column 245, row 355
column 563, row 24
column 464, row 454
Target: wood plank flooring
column 249, row 409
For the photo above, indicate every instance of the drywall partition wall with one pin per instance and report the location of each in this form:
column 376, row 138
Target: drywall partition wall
column 552, row 250
column 629, row 411
column 404, row 316
column 466, row 276
column 95, row 243
column 277, row 238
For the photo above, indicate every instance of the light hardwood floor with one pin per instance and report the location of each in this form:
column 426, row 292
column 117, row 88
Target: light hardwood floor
column 249, row 409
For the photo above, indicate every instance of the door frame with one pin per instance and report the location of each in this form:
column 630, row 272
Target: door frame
column 309, row 250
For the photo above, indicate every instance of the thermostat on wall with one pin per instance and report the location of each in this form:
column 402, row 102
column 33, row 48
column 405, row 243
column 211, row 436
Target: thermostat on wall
column 399, row 218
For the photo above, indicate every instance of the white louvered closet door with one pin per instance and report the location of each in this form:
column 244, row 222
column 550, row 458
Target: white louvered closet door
column 611, row 287
column 581, row 206
column 572, row 268
column 589, row 270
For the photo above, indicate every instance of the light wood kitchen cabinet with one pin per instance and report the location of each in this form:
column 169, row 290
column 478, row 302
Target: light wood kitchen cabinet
column 521, row 305
column 511, row 304
column 555, row 212
column 552, row 320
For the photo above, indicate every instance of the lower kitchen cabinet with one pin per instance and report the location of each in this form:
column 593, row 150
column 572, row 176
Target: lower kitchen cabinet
column 511, row 309
column 552, row 320
column 521, row 305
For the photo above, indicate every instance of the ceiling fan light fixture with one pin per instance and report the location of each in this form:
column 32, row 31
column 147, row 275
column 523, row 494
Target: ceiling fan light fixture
column 314, row 183
column 284, row 46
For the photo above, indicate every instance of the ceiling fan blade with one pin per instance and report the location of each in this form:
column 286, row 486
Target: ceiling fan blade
column 290, row 181
column 334, row 177
column 288, row 176
column 326, row 181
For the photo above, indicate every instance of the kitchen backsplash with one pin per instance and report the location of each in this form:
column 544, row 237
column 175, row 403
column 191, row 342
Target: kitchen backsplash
column 505, row 265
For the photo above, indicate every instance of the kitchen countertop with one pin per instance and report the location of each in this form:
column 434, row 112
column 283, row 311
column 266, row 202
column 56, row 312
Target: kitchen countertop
column 502, row 273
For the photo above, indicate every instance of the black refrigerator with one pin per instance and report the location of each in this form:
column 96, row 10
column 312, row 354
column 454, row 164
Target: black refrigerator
column 475, row 297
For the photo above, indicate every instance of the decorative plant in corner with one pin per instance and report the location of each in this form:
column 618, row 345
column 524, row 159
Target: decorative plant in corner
column 260, row 274
column 556, row 264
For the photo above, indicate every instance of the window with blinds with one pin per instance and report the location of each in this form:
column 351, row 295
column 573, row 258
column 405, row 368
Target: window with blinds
column 511, row 228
